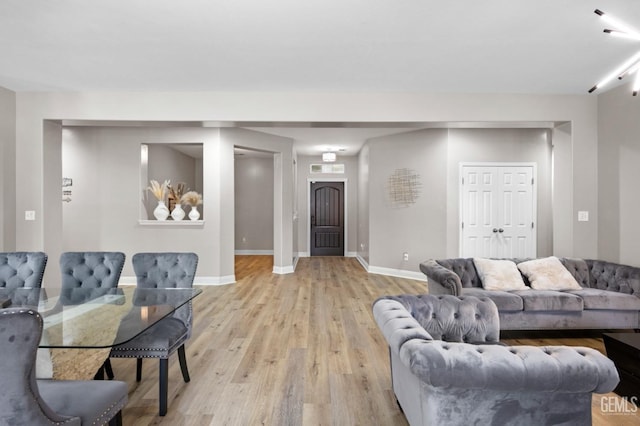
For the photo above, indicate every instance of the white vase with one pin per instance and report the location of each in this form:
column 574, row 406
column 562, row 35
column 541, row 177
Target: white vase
column 161, row 212
column 178, row 213
column 194, row 214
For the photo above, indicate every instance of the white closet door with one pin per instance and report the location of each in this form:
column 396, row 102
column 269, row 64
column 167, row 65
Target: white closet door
column 498, row 211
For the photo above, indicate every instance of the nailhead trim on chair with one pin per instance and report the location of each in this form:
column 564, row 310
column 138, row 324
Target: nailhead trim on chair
column 32, row 312
column 98, row 421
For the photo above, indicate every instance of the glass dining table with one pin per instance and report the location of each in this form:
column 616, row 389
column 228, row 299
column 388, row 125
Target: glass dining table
column 78, row 319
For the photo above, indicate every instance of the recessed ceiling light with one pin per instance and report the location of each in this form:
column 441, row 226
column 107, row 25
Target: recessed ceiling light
column 329, row 157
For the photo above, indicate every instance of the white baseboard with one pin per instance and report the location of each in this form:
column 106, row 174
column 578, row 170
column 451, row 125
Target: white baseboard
column 363, row 262
column 281, row 270
column 228, row 279
column 254, row 252
column 303, row 254
column 223, row 280
column 400, row 273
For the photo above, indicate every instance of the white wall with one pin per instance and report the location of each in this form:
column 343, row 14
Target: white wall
column 104, row 163
column 283, row 165
column 7, row 169
column 501, row 145
column 363, row 205
column 52, row 196
column 351, row 190
column 253, row 204
column 33, row 108
column 430, row 227
column 619, row 176
column 418, row 229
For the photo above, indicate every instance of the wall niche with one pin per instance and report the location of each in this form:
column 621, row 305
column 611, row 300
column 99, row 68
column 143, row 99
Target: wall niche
column 178, row 163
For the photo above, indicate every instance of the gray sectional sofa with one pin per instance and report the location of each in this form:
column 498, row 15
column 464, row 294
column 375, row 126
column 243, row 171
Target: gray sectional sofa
column 608, row 298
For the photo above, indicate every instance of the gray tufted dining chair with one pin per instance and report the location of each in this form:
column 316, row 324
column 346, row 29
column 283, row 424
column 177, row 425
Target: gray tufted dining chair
column 87, row 275
column 27, row 401
column 20, row 272
column 162, row 271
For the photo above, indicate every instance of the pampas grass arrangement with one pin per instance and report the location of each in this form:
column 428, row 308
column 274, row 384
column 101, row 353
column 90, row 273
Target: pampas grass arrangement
column 192, row 198
column 177, row 192
column 158, row 191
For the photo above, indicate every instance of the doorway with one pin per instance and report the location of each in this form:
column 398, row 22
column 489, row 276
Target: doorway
column 326, row 218
column 498, row 210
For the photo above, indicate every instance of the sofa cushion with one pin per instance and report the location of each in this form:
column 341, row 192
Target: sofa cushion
column 504, row 300
column 548, row 274
column 549, row 300
column 594, row 298
column 499, row 274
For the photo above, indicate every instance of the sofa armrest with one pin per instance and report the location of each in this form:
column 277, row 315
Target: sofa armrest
column 396, row 323
column 441, row 280
column 509, row 368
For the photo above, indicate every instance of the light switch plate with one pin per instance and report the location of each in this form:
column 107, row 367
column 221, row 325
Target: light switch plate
column 29, row 215
column 583, row 216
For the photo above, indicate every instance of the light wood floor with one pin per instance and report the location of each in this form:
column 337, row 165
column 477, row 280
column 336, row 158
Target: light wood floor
column 297, row 349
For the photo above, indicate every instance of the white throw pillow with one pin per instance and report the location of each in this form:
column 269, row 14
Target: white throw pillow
column 499, row 275
column 548, row 274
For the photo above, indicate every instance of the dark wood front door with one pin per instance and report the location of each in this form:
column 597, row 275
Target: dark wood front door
column 327, row 218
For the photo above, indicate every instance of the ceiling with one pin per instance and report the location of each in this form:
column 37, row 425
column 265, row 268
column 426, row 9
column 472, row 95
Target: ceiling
column 416, row 46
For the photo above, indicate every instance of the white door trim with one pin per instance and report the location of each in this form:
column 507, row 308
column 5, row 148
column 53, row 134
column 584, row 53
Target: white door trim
column 308, row 218
column 461, row 167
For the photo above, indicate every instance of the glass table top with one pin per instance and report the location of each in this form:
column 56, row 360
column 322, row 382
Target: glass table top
column 99, row 318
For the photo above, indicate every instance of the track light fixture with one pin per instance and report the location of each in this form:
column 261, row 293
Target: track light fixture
column 629, row 67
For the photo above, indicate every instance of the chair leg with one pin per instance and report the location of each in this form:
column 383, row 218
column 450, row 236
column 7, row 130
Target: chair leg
column 183, row 364
column 108, row 369
column 138, row 369
column 116, row 420
column 164, row 385
column 99, row 374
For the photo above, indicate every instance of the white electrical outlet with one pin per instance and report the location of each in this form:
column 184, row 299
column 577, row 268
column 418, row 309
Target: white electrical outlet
column 29, row 215
column 405, row 257
column 583, row 216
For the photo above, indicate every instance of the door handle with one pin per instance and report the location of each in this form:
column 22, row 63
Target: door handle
column 501, row 230
column 495, row 230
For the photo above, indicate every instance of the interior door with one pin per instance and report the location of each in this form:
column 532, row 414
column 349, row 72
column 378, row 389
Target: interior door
column 327, row 218
column 498, row 212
